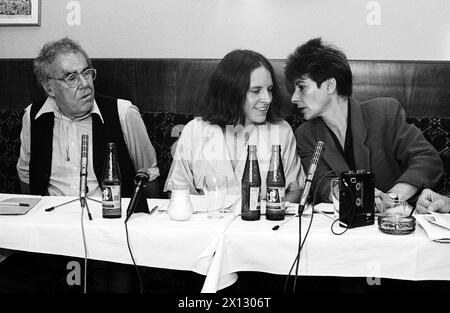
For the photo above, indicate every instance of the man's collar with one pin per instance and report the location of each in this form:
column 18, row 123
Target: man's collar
column 50, row 106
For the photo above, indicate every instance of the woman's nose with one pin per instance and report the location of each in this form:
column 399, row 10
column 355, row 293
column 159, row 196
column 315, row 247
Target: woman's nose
column 267, row 96
column 295, row 97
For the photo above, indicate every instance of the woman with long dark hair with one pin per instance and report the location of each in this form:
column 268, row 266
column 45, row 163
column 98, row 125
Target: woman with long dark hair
column 241, row 107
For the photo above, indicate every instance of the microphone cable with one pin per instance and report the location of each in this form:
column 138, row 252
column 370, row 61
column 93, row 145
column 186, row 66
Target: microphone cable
column 352, row 212
column 300, row 247
column 140, row 183
column 300, row 244
column 141, row 287
column 84, row 245
column 308, row 229
column 352, row 209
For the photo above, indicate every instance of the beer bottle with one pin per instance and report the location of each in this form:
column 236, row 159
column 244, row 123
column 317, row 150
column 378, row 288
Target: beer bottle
column 111, row 199
column 275, row 184
column 251, row 187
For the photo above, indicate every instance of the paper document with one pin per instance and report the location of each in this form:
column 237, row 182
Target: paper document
column 17, row 206
column 433, row 228
column 441, row 219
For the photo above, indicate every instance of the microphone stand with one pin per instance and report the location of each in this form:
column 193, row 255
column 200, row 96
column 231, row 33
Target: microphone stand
column 276, row 227
column 139, row 199
column 83, row 203
column 83, row 179
column 67, row 202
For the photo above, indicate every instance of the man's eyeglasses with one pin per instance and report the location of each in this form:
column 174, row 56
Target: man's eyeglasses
column 72, row 80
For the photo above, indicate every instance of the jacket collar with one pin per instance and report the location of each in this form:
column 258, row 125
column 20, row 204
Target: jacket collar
column 332, row 155
column 359, row 133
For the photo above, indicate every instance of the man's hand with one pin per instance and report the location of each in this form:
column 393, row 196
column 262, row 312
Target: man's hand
column 385, row 204
column 383, row 201
column 432, row 201
column 378, row 201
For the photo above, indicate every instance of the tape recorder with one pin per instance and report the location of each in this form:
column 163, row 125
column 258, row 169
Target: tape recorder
column 357, row 198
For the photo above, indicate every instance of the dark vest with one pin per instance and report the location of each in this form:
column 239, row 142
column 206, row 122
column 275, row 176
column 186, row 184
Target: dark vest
column 41, row 131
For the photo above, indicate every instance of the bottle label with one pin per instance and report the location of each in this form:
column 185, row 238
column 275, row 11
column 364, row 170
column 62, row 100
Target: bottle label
column 275, row 197
column 254, row 199
column 111, row 200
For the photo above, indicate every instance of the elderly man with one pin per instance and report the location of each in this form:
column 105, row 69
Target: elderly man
column 49, row 162
column 371, row 135
column 50, row 153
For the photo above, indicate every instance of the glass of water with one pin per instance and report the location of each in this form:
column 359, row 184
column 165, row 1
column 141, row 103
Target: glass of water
column 334, row 185
column 215, row 188
column 397, row 207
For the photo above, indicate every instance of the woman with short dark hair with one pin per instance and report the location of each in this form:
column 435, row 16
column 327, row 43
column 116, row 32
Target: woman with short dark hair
column 372, row 135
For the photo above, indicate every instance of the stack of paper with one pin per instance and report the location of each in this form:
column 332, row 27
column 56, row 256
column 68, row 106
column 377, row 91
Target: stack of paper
column 17, row 206
column 441, row 219
column 436, row 225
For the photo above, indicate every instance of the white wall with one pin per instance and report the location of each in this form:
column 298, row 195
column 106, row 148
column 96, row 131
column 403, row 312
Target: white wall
column 408, row 30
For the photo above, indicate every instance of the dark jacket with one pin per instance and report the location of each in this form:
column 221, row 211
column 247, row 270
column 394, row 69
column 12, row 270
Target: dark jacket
column 382, row 143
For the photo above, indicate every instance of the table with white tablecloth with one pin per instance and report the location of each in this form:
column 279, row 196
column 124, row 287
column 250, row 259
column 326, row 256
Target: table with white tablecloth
column 359, row 252
column 155, row 240
column 221, row 248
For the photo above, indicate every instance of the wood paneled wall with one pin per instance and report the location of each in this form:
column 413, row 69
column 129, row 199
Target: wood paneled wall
column 175, row 85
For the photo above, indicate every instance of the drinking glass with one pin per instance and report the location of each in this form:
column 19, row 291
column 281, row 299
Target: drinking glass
column 215, row 188
column 397, row 207
column 334, row 185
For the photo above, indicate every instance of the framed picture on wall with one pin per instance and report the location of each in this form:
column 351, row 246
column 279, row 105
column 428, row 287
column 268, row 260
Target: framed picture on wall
column 20, row 12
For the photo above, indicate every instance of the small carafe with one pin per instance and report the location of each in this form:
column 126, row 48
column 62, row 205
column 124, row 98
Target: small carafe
column 180, row 205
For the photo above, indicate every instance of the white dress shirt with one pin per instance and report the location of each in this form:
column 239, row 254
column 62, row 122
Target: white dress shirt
column 65, row 170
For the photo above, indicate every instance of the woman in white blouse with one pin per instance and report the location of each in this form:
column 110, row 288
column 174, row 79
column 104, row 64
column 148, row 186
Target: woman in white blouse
column 241, row 107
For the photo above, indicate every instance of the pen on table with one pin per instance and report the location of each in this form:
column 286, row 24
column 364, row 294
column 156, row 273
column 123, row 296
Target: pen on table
column 15, row 203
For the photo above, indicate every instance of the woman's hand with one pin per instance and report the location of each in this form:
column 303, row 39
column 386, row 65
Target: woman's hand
column 432, row 201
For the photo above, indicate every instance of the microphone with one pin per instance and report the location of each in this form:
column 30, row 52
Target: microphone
column 83, row 166
column 140, row 180
column 83, row 173
column 309, row 177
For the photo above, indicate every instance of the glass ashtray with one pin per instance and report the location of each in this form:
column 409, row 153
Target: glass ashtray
column 396, row 224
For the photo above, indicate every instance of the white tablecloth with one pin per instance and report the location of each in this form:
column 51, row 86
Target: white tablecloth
column 360, row 252
column 220, row 248
column 156, row 240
